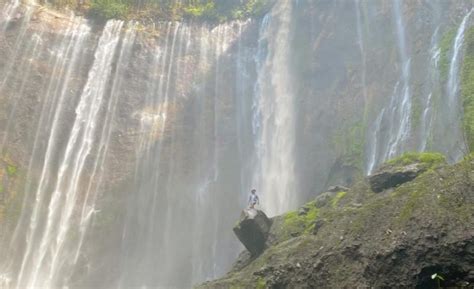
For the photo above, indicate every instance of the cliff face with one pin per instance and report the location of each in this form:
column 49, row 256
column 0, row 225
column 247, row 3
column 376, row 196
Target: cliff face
column 134, row 146
column 396, row 238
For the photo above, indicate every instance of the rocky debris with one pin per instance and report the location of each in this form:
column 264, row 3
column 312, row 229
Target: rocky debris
column 393, row 176
column 252, row 230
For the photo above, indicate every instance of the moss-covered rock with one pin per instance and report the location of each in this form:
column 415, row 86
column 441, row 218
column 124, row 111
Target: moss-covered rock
column 427, row 159
column 446, row 43
column 420, row 228
column 467, row 89
column 403, row 169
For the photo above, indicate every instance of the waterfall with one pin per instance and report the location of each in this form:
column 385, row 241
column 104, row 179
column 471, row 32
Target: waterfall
column 274, row 117
column 137, row 146
column 180, row 154
column 453, row 77
column 452, row 102
column 52, row 244
column 433, row 78
column 65, row 58
column 402, row 98
column 396, row 116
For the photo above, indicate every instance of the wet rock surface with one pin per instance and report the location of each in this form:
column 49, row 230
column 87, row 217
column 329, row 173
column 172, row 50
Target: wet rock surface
column 394, row 176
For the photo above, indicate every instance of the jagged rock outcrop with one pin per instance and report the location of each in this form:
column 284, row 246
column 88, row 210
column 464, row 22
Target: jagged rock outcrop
column 385, row 179
column 252, row 230
column 361, row 239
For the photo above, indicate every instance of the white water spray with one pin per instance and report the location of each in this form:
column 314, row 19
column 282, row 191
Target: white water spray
column 275, row 114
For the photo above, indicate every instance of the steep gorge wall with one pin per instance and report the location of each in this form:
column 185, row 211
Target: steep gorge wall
column 137, row 146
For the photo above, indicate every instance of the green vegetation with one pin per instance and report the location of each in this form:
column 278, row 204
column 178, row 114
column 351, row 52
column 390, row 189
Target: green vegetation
column 206, row 10
column 413, row 201
column 202, row 10
column 438, row 279
column 431, row 159
column 467, row 89
column 108, row 9
column 12, row 191
column 253, row 8
column 261, row 284
column 295, row 222
column 11, row 170
column 445, row 48
column 416, row 111
column 337, row 198
column 350, row 143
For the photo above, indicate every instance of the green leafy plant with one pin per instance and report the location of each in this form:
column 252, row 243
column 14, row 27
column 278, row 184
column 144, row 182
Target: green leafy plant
column 108, row 9
column 201, row 10
column 438, row 278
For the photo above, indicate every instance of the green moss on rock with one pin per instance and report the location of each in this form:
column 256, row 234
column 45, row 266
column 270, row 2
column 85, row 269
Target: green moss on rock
column 445, row 45
column 337, row 198
column 467, row 89
column 430, row 159
column 296, row 223
column 349, row 143
column 261, row 283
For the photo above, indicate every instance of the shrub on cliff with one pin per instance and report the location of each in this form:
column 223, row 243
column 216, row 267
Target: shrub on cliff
column 108, row 9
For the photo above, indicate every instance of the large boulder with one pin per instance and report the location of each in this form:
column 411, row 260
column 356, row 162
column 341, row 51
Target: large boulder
column 394, row 176
column 252, row 230
column 404, row 169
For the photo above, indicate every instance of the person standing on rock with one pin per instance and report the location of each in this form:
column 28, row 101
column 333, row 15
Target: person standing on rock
column 253, row 199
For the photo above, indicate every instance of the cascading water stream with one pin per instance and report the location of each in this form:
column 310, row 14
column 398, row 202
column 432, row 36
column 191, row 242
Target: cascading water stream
column 96, row 179
column 433, row 78
column 65, row 60
column 177, row 185
column 397, row 114
column 50, row 245
column 403, row 99
column 274, row 116
column 453, row 109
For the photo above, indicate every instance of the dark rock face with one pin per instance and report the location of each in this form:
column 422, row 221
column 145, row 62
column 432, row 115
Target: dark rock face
column 392, row 177
column 252, row 230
